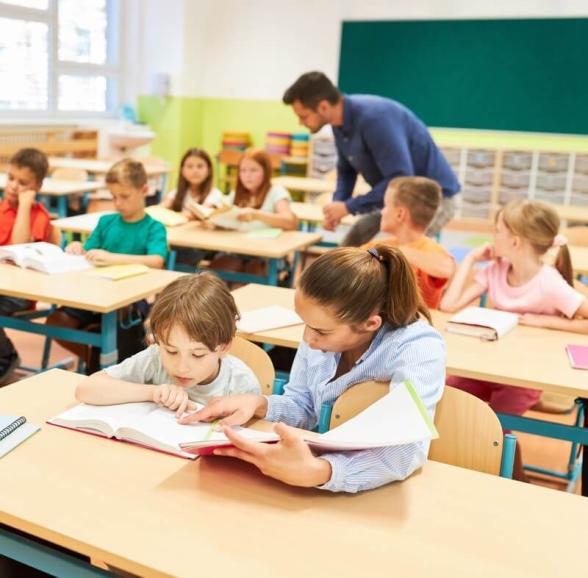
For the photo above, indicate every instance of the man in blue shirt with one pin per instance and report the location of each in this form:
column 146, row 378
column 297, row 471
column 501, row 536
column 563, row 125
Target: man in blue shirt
column 377, row 138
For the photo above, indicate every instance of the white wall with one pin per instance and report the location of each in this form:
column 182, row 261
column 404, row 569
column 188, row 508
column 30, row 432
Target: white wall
column 254, row 49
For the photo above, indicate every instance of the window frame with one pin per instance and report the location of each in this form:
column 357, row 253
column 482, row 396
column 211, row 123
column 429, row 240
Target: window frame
column 111, row 69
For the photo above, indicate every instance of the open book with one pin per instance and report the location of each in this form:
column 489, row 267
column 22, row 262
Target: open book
column 227, row 219
column 272, row 317
column 398, row 418
column 165, row 216
column 145, row 424
column 44, row 257
column 487, row 324
column 203, row 212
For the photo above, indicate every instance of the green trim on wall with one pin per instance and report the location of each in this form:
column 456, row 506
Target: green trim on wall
column 181, row 123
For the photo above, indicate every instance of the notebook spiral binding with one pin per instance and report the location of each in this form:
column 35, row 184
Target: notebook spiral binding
column 10, row 428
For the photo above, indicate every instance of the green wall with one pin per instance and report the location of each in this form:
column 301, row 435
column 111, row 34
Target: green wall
column 181, row 123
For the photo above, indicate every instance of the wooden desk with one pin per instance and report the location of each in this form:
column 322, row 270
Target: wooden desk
column 575, row 214
column 97, row 169
column 308, row 185
column 312, row 213
column 159, row 516
column 82, row 291
column 60, row 190
column 193, row 235
column 83, row 224
column 101, row 167
column 253, row 296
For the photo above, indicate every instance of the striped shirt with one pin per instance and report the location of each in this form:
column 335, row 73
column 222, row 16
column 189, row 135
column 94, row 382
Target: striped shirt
column 415, row 352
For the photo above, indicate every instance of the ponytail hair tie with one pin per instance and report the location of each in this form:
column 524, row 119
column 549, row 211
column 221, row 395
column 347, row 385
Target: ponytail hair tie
column 375, row 254
column 559, row 240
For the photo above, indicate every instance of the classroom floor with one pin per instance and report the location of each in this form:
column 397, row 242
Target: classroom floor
column 536, row 450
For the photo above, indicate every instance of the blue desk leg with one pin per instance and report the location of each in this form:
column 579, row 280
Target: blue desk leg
column 62, row 206
column 108, row 351
column 171, row 260
column 272, row 272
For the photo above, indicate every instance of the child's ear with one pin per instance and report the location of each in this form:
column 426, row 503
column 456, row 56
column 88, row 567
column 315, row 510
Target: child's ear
column 373, row 323
column 401, row 213
column 145, row 189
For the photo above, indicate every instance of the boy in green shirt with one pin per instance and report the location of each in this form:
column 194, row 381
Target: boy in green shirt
column 126, row 237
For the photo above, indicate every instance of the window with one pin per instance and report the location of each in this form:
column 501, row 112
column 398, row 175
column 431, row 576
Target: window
column 58, row 57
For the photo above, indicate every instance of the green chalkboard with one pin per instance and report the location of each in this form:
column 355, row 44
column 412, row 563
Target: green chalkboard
column 522, row 75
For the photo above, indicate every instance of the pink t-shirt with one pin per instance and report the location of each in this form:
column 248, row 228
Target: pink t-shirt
column 546, row 294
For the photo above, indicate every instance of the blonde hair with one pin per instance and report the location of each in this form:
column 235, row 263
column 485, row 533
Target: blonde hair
column 358, row 282
column 420, row 195
column 537, row 223
column 242, row 194
column 128, row 173
column 202, row 305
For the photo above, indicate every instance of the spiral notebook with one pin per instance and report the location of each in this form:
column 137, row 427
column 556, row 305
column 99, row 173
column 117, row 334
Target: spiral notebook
column 13, row 431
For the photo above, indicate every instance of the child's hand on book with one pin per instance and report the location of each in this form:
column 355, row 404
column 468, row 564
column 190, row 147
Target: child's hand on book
column 233, row 409
column 173, row 397
column 100, row 257
column 75, row 248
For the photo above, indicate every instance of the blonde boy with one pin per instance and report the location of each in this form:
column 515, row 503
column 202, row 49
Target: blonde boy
column 128, row 236
column 410, row 204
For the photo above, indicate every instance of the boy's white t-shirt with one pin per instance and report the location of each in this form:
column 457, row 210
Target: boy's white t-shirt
column 275, row 194
column 146, row 367
column 215, row 198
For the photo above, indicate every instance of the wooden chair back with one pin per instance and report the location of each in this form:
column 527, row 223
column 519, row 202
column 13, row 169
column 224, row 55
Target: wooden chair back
column 257, row 360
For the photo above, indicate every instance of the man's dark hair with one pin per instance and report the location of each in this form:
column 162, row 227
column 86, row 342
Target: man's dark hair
column 32, row 159
column 310, row 89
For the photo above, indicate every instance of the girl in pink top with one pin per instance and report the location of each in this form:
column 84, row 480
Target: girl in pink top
column 518, row 280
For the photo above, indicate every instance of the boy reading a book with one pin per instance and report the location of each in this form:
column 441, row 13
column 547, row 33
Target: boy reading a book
column 129, row 236
column 22, row 220
column 410, row 204
column 193, row 322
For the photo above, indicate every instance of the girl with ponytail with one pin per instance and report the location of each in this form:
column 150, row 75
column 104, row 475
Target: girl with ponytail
column 517, row 280
column 365, row 320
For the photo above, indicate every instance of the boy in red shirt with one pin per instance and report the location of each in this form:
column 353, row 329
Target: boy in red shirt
column 22, row 220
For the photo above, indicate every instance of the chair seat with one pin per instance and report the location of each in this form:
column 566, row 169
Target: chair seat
column 554, row 404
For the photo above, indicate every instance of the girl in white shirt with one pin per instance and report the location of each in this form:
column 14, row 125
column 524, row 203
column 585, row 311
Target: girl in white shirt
column 261, row 206
column 194, row 184
column 258, row 199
